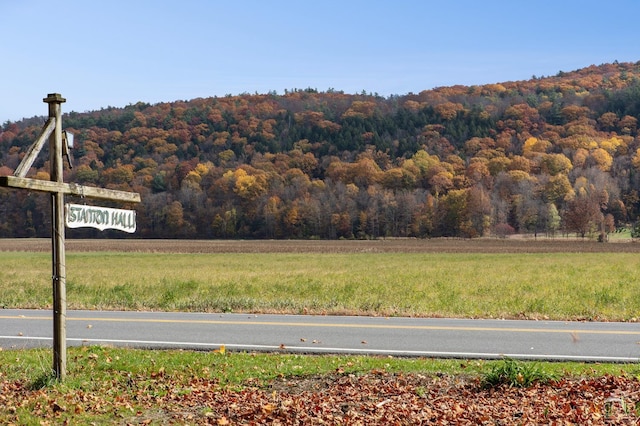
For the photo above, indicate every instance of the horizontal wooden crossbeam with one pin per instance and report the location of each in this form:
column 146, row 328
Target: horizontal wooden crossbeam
column 69, row 188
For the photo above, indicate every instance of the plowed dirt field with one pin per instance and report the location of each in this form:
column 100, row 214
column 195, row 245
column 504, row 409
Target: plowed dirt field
column 511, row 245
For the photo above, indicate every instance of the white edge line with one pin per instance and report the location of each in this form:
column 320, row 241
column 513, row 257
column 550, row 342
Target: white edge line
column 328, row 350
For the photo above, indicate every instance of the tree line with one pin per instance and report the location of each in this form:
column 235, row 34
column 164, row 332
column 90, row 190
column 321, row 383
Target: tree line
column 550, row 155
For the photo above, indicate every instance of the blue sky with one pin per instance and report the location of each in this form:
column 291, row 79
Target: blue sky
column 116, row 53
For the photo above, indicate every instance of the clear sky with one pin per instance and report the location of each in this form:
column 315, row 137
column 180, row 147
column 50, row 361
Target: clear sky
column 117, row 52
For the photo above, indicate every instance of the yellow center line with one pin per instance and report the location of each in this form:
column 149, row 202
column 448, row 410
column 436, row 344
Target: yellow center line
column 334, row 325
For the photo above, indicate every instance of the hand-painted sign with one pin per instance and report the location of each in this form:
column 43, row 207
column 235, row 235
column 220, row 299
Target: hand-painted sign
column 79, row 216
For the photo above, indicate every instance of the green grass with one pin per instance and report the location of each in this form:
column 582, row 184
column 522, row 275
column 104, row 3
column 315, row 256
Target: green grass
column 516, row 373
column 620, row 235
column 600, row 286
column 236, row 370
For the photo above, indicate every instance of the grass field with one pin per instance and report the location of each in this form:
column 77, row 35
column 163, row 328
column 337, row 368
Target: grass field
column 491, row 279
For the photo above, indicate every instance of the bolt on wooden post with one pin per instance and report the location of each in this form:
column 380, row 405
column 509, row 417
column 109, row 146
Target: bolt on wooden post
column 57, row 189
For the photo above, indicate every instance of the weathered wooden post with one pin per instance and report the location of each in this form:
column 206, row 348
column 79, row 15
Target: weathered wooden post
column 57, row 241
column 101, row 218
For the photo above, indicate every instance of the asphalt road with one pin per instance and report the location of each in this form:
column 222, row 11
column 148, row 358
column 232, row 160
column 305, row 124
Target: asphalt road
column 424, row 337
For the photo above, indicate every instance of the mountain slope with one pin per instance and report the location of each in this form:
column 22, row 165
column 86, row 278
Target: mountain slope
column 549, row 154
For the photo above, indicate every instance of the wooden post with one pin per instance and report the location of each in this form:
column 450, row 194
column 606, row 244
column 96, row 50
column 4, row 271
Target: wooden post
column 57, row 241
column 57, row 188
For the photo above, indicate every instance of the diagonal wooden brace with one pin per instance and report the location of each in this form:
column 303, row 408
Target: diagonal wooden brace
column 34, row 149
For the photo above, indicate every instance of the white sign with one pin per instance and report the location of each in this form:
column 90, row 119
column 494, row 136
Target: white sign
column 81, row 216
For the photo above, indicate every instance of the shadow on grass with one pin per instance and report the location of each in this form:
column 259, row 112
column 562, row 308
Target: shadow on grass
column 45, row 380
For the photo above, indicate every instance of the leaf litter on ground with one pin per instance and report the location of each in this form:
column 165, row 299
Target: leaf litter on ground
column 375, row 397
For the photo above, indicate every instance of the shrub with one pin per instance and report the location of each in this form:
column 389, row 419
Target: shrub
column 513, row 373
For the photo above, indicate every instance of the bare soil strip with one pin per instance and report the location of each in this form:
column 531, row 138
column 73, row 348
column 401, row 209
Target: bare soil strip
column 559, row 245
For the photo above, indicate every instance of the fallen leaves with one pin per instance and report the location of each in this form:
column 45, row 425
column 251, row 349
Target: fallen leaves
column 380, row 397
column 377, row 397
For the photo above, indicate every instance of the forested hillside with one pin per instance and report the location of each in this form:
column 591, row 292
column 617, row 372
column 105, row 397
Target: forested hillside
column 549, row 155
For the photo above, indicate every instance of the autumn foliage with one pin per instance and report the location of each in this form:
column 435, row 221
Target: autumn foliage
column 557, row 154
